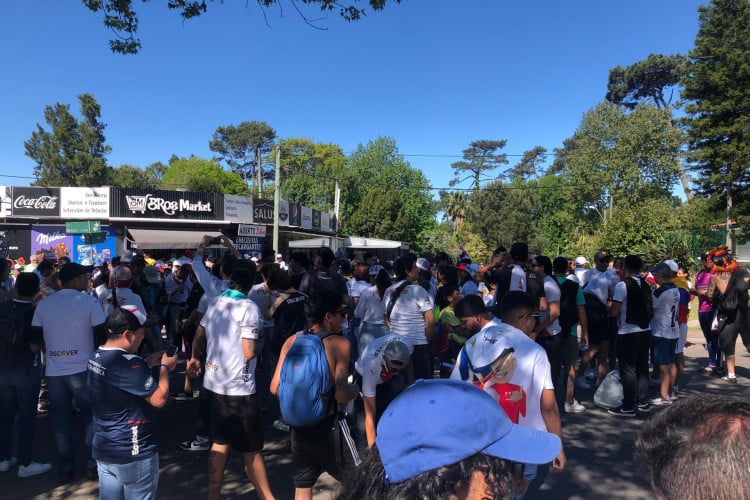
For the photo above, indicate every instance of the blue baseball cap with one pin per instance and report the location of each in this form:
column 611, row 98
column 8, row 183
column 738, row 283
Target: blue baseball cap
column 436, row 423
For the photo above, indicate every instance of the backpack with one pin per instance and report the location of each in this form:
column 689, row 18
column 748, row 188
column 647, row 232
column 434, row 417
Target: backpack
column 568, row 305
column 15, row 318
column 305, row 388
column 640, row 308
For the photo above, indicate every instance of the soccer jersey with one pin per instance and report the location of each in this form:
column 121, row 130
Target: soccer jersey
column 620, row 295
column 230, row 319
column 118, row 383
column 552, row 292
column 666, row 300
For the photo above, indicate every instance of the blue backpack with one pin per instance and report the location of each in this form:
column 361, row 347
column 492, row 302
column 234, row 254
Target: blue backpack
column 305, row 389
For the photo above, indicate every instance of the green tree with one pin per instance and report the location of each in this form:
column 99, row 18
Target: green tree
column 156, row 170
column 376, row 175
column 199, row 174
column 309, row 170
column 242, row 147
column 717, row 91
column 502, row 214
column 120, row 15
column 453, row 205
column 620, row 159
column 530, row 164
column 72, row 152
column 653, row 80
column 480, row 157
column 129, row 177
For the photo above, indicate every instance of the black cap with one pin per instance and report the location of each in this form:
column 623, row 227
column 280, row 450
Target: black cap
column 602, row 255
column 72, row 270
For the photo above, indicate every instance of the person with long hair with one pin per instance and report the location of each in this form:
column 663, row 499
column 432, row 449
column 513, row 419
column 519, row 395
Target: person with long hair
column 734, row 318
column 706, row 313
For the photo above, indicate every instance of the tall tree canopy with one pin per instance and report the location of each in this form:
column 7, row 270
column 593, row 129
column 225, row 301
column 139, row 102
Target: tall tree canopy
column 130, row 176
column 621, row 158
column 120, row 15
column 199, row 174
column 480, row 157
column 654, row 79
column 717, row 90
column 72, row 152
column 309, row 170
column 530, row 165
column 242, row 147
column 380, row 185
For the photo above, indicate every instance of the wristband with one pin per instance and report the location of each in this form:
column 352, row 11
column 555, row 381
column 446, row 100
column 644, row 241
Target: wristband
column 165, row 366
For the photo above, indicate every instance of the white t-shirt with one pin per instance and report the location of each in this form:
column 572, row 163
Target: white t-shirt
column 370, row 307
column 124, row 296
column 531, row 374
column 231, row 318
column 407, row 316
column 370, row 364
column 666, row 301
column 581, row 274
column 602, row 285
column 552, row 293
column 258, row 295
column 67, row 319
column 356, row 287
column 620, row 295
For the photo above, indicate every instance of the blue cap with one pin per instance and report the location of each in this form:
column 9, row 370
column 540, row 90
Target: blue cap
column 436, row 423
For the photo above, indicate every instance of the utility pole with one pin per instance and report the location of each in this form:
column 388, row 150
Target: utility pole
column 277, row 200
column 336, row 205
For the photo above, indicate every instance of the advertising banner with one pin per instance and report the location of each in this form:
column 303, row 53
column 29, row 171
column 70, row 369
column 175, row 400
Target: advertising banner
column 84, row 203
column 295, row 215
column 15, row 245
column 5, row 201
column 307, row 222
column 325, row 221
column 316, row 220
column 238, row 209
column 283, row 213
column 52, row 242
column 250, row 239
column 35, row 201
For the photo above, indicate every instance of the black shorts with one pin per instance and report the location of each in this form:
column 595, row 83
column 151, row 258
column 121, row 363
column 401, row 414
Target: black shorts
column 313, row 452
column 569, row 350
column 236, row 422
column 596, row 312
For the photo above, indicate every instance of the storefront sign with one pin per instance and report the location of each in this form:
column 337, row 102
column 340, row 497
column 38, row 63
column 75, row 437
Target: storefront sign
column 141, row 203
column 295, row 215
column 84, row 203
column 316, row 220
column 283, row 213
column 262, row 211
column 35, row 201
column 325, row 221
column 238, row 209
column 5, row 201
column 307, row 222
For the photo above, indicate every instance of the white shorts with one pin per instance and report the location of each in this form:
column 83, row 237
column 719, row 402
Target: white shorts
column 681, row 340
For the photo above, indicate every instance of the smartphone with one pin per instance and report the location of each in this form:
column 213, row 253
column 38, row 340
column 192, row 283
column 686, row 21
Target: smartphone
column 216, row 240
column 171, row 351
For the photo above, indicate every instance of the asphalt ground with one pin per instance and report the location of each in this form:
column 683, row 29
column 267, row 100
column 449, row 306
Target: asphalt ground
column 599, row 449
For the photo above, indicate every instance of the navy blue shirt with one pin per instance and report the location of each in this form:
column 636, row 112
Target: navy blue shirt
column 118, row 383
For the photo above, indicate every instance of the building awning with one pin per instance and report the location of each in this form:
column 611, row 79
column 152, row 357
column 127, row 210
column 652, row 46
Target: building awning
column 348, row 242
column 167, row 240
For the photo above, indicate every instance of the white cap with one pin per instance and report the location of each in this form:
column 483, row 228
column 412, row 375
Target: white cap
column 279, row 256
column 581, row 261
column 672, row 265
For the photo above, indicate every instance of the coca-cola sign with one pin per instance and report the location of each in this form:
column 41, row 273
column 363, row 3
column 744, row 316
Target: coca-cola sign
column 35, row 201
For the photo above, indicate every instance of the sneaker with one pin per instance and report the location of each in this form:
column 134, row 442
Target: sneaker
column 182, row 396
column 654, row 381
column 644, row 407
column 200, row 443
column 42, row 406
column 673, row 396
column 574, row 407
column 709, row 368
column 280, row 425
column 621, row 412
column 33, row 469
column 732, row 379
column 581, row 383
column 661, row 401
column 5, row 465
column 590, row 374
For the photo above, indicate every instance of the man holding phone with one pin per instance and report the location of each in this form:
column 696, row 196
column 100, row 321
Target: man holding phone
column 123, row 388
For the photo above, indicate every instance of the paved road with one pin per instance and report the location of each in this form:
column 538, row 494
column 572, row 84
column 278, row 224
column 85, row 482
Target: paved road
column 599, row 448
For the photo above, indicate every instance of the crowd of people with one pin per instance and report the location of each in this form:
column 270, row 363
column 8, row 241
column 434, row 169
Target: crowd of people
column 340, row 353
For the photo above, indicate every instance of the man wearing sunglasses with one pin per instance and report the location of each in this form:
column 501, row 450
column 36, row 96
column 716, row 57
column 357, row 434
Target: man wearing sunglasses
column 385, row 370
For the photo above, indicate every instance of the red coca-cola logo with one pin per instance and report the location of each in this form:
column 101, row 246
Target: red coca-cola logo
column 39, row 203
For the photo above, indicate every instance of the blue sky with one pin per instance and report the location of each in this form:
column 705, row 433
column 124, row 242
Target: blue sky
column 433, row 74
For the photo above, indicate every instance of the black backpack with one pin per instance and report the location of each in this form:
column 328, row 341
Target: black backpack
column 15, row 322
column 640, row 308
column 568, row 305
